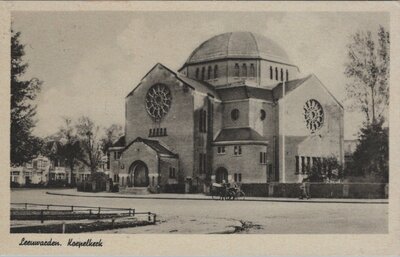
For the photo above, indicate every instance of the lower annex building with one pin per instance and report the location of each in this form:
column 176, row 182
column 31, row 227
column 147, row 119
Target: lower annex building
column 237, row 110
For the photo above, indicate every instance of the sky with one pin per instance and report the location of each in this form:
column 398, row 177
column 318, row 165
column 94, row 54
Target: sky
column 89, row 61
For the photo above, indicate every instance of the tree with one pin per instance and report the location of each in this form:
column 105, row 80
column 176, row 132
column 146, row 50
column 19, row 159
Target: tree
column 112, row 133
column 71, row 149
column 87, row 133
column 24, row 146
column 368, row 71
column 327, row 169
column 371, row 157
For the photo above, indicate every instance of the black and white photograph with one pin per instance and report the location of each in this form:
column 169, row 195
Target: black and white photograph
column 134, row 122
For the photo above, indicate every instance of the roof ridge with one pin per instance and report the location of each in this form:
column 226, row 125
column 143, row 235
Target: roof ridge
column 255, row 42
column 227, row 45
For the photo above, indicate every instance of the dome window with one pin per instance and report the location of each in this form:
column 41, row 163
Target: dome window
column 237, row 70
column 203, row 73
column 281, row 74
column 209, row 72
column 287, row 75
column 262, row 114
column 244, row 70
column 216, row 71
column 197, row 73
column 235, row 114
column 276, row 74
column 271, row 73
column 252, row 71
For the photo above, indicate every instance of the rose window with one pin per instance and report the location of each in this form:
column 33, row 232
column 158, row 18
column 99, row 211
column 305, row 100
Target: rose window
column 313, row 115
column 158, row 101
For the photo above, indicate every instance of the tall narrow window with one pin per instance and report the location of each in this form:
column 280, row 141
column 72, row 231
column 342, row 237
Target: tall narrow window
column 209, row 72
column 240, row 177
column 271, row 73
column 203, row 73
column 197, row 73
column 252, row 71
column 287, row 75
column 276, row 74
column 237, row 70
column 297, row 165
column 303, row 170
column 204, row 121
column 281, row 74
column 308, row 164
column 215, row 71
column 200, row 163
column 244, row 70
column 201, row 120
column 204, row 163
column 237, row 150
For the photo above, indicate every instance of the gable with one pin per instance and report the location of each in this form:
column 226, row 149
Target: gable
column 164, row 75
column 313, row 87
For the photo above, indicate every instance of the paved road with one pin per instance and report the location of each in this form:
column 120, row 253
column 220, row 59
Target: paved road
column 191, row 216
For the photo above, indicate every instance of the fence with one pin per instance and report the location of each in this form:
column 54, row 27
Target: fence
column 42, row 212
column 319, row 190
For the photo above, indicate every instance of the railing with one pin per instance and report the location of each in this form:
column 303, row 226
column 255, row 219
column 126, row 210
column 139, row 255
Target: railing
column 67, row 212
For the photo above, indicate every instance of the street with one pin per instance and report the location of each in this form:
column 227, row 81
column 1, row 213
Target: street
column 214, row 216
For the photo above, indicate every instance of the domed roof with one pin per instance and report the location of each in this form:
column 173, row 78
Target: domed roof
column 238, row 45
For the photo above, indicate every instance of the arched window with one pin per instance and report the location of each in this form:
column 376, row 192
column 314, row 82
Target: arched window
column 209, row 72
column 235, row 114
column 237, row 70
column 262, row 114
column 281, row 74
column 252, row 71
column 197, row 73
column 287, row 75
column 271, row 73
column 276, row 73
column 203, row 73
column 216, row 71
column 244, row 70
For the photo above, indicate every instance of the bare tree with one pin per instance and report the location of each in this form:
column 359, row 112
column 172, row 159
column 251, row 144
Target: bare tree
column 368, row 71
column 88, row 134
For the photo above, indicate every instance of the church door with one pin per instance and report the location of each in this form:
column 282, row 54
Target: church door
column 221, row 174
column 138, row 175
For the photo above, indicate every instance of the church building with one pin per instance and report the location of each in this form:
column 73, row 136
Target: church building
column 237, row 110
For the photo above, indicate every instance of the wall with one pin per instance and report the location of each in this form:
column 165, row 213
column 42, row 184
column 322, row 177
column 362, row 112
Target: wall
column 248, row 163
column 179, row 121
column 265, row 80
column 139, row 151
column 242, row 121
column 299, row 141
column 318, row 190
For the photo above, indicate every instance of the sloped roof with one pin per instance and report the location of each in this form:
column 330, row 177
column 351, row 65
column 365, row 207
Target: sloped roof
column 120, row 142
column 191, row 83
column 155, row 145
column 243, row 92
column 289, row 86
column 240, row 44
column 239, row 134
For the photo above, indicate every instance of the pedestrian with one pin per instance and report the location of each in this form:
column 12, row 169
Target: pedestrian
column 305, row 188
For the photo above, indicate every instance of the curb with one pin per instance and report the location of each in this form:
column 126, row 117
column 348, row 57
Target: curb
column 210, row 199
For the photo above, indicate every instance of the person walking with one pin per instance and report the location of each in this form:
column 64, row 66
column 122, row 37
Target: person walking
column 305, row 188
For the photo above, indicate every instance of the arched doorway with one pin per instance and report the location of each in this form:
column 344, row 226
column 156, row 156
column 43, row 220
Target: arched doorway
column 138, row 175
column 221, row 174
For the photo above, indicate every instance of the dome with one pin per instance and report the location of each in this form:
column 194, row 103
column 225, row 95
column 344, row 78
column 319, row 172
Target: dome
column 238, row 45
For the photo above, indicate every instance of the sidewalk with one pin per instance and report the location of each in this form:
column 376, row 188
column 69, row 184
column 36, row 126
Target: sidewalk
column 165, row 196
